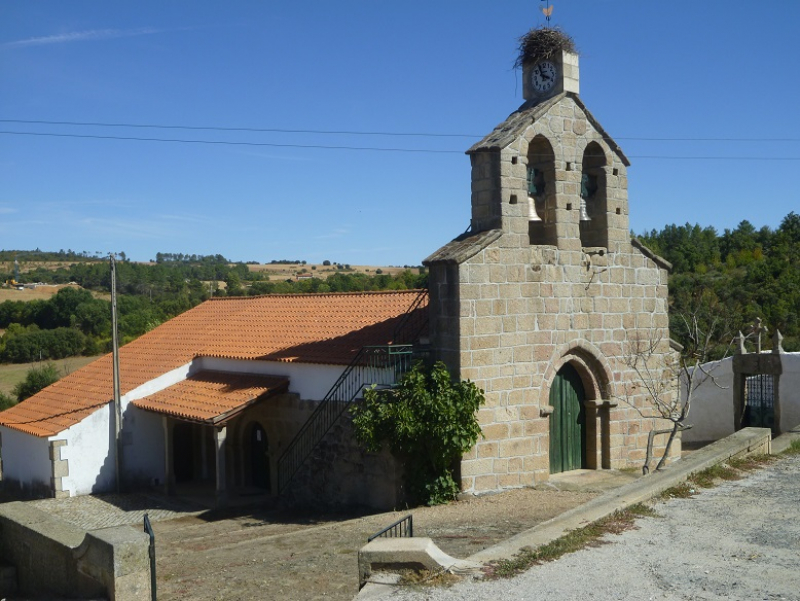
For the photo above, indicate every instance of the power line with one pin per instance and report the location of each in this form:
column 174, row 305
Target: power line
column 361, row 133
column 244, row 129
column 363, row 148
column 227, row 143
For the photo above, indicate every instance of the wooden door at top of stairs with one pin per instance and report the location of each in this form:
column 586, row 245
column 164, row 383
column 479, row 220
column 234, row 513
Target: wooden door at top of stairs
column 567, row 422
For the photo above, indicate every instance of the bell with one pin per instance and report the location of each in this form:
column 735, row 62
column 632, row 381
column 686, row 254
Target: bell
column 532, row 214
column 584, row 214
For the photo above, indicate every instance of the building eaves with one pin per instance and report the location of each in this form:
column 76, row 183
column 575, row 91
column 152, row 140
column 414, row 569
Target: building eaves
column 660, row 261
column 212, row 397
column 517, row 122
column 464, row 247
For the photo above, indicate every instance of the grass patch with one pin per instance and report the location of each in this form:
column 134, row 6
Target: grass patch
column 751, row 462
column 575, row 540
column 684, row 490
column 427, row 578
column 709, row 477
column 733, row 469
column 12, row 374
column 794, row 448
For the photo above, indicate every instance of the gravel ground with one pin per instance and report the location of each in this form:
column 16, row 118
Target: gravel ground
column 740, row 540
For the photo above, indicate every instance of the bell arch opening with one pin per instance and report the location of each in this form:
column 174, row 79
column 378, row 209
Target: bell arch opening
column 594, row 197
column 541, row 191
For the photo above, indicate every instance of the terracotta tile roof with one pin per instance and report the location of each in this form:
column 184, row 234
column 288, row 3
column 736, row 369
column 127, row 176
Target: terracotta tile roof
column 212, row 397
column 304, row 328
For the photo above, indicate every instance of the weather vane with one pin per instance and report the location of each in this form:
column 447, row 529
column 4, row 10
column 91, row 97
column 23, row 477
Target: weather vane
column 547, row 10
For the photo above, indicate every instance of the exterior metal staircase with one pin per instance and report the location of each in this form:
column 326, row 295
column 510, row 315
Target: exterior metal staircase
column 373, row 365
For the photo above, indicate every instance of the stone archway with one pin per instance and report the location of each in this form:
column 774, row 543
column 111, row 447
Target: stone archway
column 594, row 375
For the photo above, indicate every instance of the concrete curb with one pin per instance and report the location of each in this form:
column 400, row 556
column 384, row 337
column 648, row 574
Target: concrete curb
column 744, row 442
column 784, row 441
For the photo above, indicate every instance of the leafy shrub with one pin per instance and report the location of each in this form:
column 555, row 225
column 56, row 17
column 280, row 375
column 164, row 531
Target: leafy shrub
column 37, row 378
column 428, row 421
column 6, row 401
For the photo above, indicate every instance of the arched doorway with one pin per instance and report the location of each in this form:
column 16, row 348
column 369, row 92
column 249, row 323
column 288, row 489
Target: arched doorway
column 259, row 456
column 567, row 422
column 183, row 451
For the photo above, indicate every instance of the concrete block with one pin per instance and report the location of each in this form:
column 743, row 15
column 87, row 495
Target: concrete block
column 407, row 553
column 118, row 557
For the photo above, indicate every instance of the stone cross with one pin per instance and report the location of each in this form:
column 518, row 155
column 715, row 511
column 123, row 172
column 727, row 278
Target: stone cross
column 758, row 329
column 777, row 342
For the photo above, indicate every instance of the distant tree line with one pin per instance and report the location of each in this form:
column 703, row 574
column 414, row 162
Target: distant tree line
column 732, row 278
column 75, row 321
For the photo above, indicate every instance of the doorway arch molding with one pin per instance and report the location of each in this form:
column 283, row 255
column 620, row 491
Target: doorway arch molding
column 596, row 376
column 592, row 366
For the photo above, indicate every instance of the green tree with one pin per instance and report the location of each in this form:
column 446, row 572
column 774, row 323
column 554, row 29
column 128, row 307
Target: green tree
column 37, row 378
column 428, row 421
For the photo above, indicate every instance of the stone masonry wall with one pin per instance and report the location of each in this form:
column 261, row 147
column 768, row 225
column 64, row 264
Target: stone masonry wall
column 510, row 316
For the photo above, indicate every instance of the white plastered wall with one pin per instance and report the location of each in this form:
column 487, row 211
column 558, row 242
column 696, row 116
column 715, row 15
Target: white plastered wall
column 90, row 454
column 310, row 381
column 711, row 413
column 26, row 458
column 789, row 391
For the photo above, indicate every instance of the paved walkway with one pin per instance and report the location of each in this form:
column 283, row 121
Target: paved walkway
column 103, row 511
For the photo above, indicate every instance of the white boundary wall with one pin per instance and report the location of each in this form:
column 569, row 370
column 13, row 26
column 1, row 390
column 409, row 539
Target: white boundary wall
column 711, row 414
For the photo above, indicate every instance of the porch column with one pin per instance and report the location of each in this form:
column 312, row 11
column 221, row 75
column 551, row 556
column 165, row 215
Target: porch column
column 169, row 473
column 219, row 440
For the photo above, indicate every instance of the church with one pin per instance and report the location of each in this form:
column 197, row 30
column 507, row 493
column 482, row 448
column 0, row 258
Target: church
column 542, row 303
column 544, row 300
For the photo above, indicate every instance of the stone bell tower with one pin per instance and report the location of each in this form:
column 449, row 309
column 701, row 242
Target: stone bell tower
column 550, row 171
column 540, row 302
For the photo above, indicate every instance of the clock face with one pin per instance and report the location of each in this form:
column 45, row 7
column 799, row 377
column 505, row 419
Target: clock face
column 543, row 76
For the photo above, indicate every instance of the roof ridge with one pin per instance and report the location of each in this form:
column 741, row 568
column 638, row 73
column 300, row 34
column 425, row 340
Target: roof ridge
column 318, row 294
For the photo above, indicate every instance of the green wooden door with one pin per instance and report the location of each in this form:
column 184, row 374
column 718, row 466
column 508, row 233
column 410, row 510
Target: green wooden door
column 568, row 422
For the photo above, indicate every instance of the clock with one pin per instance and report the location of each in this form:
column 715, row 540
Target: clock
column 543, row 76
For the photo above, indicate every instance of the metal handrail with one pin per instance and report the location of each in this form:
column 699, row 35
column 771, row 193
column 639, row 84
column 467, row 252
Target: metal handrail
column 402, row 528
column 148, row 528
column 378, row 365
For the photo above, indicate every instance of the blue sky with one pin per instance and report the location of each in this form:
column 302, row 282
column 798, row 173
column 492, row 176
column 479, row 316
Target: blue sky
column 660, row 76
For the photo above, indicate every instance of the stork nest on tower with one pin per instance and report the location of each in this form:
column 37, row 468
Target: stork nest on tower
column 543, row 43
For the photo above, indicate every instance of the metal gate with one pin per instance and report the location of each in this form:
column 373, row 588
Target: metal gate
column 759, row 395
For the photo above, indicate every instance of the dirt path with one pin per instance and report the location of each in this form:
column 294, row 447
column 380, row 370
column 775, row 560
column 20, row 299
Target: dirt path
column 285, row 556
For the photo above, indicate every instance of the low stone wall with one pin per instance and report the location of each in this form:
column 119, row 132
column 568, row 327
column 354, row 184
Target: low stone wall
column 340, row 474
column 55, row 558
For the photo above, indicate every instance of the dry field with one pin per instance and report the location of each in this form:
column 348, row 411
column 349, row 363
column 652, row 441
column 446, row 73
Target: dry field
column 322, row 271
column 29, row 294
column 11, row 374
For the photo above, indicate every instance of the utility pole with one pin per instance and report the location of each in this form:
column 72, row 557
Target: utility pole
column 115, row 370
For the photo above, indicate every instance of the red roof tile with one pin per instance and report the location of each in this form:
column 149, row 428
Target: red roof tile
column 212, row 397
column 304, row 328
